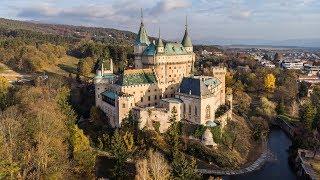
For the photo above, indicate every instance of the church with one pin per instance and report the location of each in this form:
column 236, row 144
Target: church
column 162, row 80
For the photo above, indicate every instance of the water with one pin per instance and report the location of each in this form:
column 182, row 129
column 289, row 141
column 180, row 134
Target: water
column 279, row 143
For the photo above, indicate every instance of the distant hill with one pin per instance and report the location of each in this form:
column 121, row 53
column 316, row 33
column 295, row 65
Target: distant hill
column 306, row 43
column 107, row 35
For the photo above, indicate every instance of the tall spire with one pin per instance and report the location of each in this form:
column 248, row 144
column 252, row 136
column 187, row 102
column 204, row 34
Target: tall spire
column 142, row 37
column 186, row 41
column 160, row 43
column 186, row 23
column 141, row 13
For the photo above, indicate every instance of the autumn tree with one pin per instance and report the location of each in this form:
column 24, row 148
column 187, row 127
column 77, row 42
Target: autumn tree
column 270, row 83
column 154, row 167
column 4, row 88
column 83, row 155
column 85, row 66
column 267, row 108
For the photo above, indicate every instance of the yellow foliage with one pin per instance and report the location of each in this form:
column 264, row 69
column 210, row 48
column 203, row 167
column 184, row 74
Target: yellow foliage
column 4, row 85
column 270, row 82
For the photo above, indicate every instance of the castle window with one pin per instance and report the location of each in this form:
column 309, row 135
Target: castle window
column 166, row 96
column 189, row 109
column 149, row 90
column 208, row 113
column 149, row 98
column 184, row 108
column 155, row 97
column 141, row 99
column 123, row 105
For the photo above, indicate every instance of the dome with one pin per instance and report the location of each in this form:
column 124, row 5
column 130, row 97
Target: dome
column 211, row 124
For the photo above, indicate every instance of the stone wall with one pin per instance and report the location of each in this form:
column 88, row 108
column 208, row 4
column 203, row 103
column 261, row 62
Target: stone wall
column 223, row 120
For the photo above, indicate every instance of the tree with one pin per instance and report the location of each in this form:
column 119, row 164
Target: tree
column 270, row 83
column 83, row 154
column 242, row 102
column 267, row 108
column 280, row 109
column 303, row 89
column 85, row 67
column 120, row 151
column 4, row 88
column 154, row 167
column 277, row 57
column 182, row 168
column 159, row 168
column 315, row 97
column 307, row 115
column 96, row 115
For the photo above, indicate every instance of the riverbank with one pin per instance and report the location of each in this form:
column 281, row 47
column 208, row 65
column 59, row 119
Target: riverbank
column 278, row 143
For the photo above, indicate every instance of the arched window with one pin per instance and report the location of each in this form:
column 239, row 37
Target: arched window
column 189, row 109
column 208, row 112
column 184, row 108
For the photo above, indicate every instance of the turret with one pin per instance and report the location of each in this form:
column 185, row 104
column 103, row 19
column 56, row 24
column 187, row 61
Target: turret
column 142, row 39
column 160, row 45
column 186, row 41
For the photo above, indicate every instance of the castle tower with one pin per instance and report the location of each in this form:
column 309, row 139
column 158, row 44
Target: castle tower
column 140, row 44
column 186, row 41
column 160, row 45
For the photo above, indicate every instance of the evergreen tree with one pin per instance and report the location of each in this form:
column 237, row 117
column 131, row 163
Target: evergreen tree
column 119, row 150
column 280, row 108
column 307, row 115
column 182, row 167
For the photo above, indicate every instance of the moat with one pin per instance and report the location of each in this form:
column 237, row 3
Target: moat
column 279, row 143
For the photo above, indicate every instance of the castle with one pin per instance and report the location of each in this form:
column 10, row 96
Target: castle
column 162, row 80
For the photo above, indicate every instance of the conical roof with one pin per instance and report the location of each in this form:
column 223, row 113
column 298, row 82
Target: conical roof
column 142, row 37
column 186, row 41
column 160, row 43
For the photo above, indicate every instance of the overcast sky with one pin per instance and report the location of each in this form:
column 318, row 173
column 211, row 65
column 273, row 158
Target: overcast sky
column 208, row 19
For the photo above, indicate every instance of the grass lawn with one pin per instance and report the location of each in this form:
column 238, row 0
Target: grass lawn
column 66, row 65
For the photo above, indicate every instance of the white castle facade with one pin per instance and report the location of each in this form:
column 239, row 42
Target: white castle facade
column 162, row 80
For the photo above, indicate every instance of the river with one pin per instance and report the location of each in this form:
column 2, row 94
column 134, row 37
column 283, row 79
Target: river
column 279, row 143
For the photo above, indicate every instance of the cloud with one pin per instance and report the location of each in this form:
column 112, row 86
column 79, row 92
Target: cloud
column 241, row 15
column 165, row 6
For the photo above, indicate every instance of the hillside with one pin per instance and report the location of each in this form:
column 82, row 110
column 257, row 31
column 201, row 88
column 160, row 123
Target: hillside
column 105, row 35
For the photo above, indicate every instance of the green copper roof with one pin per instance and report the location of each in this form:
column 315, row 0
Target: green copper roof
column 110, row 94
column 174, row 49
column 142, row 37
column 186, row 41
column 150, row 50
column 136, row 77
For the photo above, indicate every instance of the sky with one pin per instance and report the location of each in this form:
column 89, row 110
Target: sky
column 208, row 20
